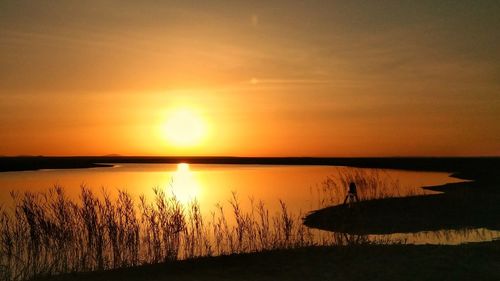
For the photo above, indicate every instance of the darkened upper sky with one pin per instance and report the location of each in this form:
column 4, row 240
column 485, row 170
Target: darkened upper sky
column 267, row 77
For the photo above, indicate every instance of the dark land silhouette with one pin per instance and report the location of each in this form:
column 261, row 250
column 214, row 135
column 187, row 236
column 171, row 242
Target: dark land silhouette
column 471, row 204
column 477, row 261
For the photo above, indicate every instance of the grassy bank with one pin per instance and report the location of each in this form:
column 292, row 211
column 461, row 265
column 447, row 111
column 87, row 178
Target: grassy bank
column 477, row 261
column 471, row 204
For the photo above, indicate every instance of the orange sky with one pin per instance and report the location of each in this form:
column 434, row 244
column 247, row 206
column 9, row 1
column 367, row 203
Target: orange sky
column 282, row 78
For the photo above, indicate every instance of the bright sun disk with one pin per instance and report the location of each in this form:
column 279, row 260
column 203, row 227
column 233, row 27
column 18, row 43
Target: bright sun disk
column 184, row 128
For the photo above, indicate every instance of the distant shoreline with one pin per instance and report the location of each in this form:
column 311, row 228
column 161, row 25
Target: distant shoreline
column 463, row 167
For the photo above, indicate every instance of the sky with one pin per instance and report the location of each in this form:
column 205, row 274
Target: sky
column 262, row 78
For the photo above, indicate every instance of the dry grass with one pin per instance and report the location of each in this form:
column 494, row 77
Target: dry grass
column 49, row 233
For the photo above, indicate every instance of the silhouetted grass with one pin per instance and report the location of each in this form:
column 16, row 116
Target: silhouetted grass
column 50, row 233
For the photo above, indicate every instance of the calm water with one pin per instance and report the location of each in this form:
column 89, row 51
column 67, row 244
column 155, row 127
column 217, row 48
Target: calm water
column 298, row 186
column 209, row 184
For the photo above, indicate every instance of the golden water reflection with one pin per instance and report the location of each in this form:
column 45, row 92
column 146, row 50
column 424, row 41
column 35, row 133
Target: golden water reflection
column 210, row 184
column 185, row 186
column 299, row 186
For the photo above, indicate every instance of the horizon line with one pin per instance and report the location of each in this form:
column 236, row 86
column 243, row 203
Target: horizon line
column 248, row 157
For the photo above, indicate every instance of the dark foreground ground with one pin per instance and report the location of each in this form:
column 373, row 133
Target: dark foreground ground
column 478, row 261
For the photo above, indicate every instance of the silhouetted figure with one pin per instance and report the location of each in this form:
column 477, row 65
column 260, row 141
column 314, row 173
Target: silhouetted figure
column 352, row 194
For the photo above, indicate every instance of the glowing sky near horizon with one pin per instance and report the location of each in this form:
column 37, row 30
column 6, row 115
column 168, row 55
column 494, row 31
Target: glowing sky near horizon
column 270, row 78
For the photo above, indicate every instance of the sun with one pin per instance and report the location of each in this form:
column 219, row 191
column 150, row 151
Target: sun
column 184, row 128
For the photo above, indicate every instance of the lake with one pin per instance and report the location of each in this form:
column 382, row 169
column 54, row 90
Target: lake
column 301, row 188
column 210, row 184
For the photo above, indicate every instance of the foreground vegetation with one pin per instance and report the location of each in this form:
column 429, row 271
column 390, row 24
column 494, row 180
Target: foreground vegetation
column 50, row 233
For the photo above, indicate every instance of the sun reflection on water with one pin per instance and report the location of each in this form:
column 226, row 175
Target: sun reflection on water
column 185, row 186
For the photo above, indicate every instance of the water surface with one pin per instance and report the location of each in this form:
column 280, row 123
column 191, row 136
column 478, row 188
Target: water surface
column 300, row 187
column 209, row 184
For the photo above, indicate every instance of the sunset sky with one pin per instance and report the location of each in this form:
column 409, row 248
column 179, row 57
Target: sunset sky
column 261, row 78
